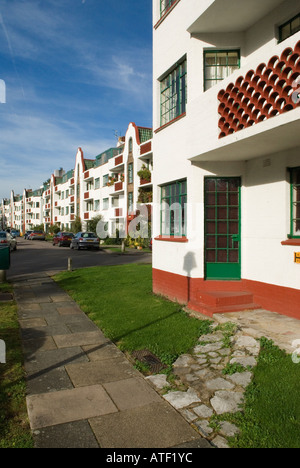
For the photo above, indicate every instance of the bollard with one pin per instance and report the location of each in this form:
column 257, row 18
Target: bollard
column 2, row 276
column 70, row 264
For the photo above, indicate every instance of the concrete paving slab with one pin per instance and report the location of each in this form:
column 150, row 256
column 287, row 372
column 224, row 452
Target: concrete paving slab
column 68, row 310
column 43, row 344
column 33, row 322
column 53, row 359
column 79, row 339
column 49, row 409
column 39, row 332
column 155, row 425
column 105, row 350
column 51, row 381
column 131, row 393
column 99, row 372
column 76, row 434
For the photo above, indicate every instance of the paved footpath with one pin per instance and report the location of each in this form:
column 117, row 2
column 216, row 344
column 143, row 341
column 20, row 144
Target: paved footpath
column 82, row 391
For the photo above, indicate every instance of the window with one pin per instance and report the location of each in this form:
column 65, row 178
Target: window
column 105, row 180
column 130, row 145
column 97, row 205
column 289, row 28
column 165, row 5
column 173, row 94
column 173, row 209
column 218, row 64
column 130, row 173
column 130, row 202
column 90, row 205
column 295, row 202
column 105, row 203
column 97, row 183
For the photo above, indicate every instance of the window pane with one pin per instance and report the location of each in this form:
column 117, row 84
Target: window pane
column 173, row 209
column 218, row 65
column 173, row 94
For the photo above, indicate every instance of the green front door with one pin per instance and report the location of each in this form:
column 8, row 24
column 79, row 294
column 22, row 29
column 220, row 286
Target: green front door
column 222, row 199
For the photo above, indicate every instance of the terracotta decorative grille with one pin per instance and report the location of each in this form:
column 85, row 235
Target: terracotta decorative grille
column 261, row 94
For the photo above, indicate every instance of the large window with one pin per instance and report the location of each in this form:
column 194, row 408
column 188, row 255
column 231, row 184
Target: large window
column 165, row 5
column 130, row 173
column 218, row 64
column 173, row 92
column 295, row 202
column 173, row 209
column 289, row 28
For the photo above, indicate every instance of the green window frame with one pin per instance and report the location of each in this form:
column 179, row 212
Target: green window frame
column 130, row 202
column 165, row 5
column 173, row 93
column 219, row 64
column 289, row 28
column 295, row 203
column 130, row 173
column 173, row 209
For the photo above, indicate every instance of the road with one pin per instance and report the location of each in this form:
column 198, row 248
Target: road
column 40, row 256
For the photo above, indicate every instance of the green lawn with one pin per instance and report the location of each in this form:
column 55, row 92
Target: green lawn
column 14, row 427
column 120, row 301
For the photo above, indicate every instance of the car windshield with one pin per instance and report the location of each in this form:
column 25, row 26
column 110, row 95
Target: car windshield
column 67, row 234
column 2, row 234
column 89, row 235
column 38, row 232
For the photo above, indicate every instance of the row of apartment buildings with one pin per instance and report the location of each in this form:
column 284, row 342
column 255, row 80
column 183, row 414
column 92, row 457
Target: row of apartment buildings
column 226, row 152
column 108, row 185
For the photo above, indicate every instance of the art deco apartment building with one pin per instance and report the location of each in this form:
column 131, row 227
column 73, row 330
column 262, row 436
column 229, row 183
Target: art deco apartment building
column 226, row 140
column 108, row 185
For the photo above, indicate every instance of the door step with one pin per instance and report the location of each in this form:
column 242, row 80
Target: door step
column 219, row 302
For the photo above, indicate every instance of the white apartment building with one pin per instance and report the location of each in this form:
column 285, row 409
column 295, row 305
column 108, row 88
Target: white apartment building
column 226, row 141
column 107, row 185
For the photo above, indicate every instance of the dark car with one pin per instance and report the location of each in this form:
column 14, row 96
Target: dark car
column 27, row 234
column 88, row 240
column 63, row 239
column 6, row 239
column 37, row 235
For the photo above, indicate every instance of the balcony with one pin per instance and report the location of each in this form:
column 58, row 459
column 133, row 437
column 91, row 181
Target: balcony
column 252, row 113
column 118, row 212
column 119, row 187
column 218, row 17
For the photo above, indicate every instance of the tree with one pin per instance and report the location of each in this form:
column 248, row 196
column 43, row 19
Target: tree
column 76, row 225
column 92, row 224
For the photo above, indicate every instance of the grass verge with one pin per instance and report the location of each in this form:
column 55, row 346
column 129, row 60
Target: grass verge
column 271, row 416
column 120, row 301
column 14, row 426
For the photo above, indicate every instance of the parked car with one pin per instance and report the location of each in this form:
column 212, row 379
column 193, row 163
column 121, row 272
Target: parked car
column 15, row 232
column 37, row 235
column 27, row 234
column 7, row 239
column 87, row 240
column 63, row 239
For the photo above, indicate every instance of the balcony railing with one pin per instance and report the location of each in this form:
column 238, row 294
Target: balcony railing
column 118, row 186
column 262, row 94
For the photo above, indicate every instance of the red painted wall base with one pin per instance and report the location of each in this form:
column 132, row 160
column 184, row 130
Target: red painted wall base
column 182, row 289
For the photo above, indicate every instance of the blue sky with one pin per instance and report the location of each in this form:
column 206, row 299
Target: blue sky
column 76, row 72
